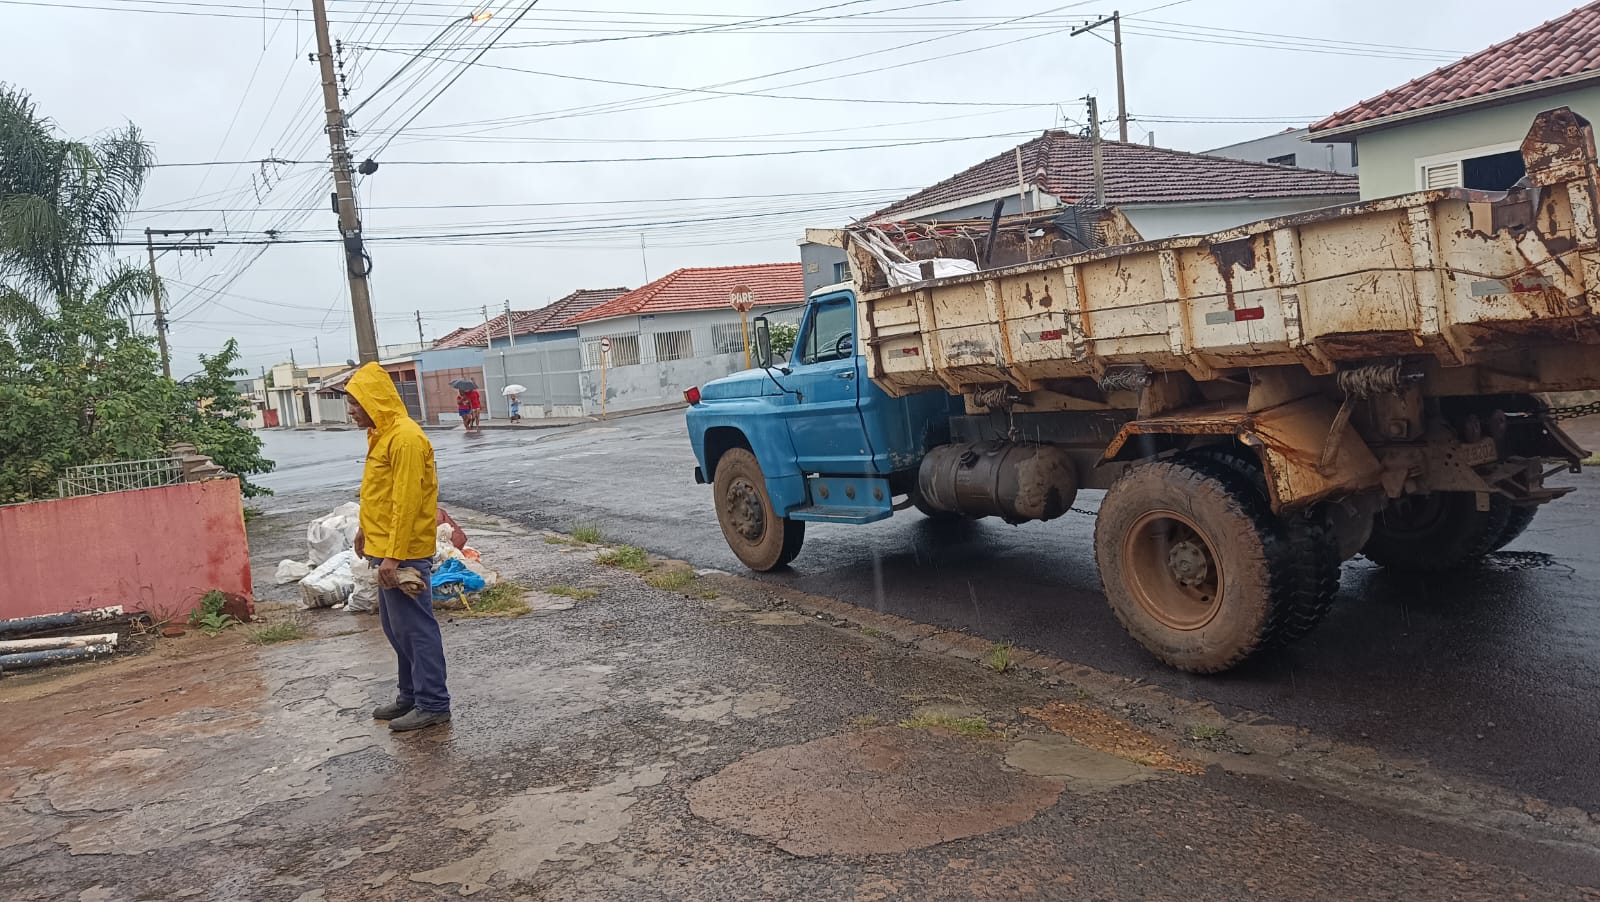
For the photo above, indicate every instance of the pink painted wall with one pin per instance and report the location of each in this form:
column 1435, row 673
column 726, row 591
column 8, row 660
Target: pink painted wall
column 151, row 550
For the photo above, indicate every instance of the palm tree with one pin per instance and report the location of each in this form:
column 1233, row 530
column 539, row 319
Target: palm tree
column 62, row 204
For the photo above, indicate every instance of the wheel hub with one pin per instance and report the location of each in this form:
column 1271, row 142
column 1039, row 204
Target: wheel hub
column 745, row 513
column 1188, row 563
column 1173, row 570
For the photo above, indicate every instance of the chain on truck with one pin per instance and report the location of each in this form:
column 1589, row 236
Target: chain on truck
column 1258, row 405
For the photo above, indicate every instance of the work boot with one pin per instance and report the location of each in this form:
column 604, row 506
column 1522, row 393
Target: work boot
column 396, row 708
column 416, row 719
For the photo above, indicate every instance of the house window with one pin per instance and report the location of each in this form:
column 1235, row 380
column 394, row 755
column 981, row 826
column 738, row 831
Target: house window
column 727, row 338
column 624, row 351
column 674, row 345
column 1483, row 169
column 1285, row 160
column 841, row 272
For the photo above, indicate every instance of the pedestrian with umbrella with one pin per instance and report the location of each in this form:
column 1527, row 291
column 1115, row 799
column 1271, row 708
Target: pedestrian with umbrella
column 511, row 392
column 468, row 403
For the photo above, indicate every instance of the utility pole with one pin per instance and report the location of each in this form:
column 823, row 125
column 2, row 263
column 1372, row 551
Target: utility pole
column 1099, row 156
column 355, row 255
column 644, row 258
column 511, row 333
column 420, row 340
column 1122, row 98
column 317, row 345
column 488, row 336
column 155, row 283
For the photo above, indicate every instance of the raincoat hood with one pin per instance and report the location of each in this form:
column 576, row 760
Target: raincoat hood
column 374, row 390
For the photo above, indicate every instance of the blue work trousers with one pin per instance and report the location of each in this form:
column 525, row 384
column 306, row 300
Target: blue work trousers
column 412, row 630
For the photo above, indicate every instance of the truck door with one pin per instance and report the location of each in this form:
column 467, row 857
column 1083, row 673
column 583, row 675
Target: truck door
column 827, row 374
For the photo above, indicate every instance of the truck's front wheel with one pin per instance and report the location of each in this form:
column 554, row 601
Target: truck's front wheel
column 1192, row 563
column 758, row 535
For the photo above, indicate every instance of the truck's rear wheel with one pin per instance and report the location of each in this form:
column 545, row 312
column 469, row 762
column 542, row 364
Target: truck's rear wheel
column 1193, row 563
column 759, row 537
column 1438, row 531
column 1313, row 553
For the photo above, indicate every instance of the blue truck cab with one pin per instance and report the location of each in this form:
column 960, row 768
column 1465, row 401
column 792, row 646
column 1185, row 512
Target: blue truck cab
column 810, row 438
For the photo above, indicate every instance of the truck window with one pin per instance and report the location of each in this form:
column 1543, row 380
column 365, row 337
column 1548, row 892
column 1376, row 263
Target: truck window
column 831, row 335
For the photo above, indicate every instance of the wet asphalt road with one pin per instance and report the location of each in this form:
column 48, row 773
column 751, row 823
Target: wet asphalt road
column 1494, row 672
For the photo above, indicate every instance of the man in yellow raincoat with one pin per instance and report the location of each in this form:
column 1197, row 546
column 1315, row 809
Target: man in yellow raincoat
column 399, row 503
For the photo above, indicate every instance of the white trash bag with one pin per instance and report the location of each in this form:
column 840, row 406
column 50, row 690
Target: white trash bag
column 336, row 532
column 329, row 584
column 364, row 595
column 291, row 572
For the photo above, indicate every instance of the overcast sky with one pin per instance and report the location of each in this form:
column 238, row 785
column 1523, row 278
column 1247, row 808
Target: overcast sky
column 229, row 80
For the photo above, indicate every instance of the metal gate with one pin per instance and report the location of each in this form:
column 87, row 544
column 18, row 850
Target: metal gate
column 550, row 371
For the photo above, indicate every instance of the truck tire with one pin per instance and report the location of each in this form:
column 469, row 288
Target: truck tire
column 1521, row 518
column 1194, row 564
column 1313, row 554
column 758, row 536
column 1437, row 532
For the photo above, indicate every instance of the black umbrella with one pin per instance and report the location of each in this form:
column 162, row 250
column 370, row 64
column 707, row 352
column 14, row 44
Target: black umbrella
column 464, row 384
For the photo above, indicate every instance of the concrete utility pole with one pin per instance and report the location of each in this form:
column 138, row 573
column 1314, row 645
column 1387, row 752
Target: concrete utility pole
column 420, row 340
column 355, row 255
column 1099, row 155
column 511, row 333
column 488, row 336
column 1122, row 98
column 155, row 286
column 316, row 345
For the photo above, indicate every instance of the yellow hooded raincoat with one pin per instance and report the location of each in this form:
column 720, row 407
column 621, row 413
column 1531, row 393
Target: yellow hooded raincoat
column 399, row 488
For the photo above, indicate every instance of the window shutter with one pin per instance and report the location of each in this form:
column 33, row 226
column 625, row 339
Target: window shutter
column 1441, row 175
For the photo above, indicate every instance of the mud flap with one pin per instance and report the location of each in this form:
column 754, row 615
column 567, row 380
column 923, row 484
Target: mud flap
column 1307, row 450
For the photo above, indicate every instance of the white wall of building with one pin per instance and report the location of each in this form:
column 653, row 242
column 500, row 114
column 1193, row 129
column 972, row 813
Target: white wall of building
column 1158, row 221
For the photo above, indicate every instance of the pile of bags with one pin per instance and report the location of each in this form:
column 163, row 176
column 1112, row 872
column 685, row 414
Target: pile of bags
column 332, row 576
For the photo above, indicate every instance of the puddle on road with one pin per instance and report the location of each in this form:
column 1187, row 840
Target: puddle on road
column 1517, row 561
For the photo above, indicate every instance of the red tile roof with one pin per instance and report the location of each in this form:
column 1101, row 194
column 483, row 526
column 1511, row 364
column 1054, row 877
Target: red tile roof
column 1562, row 48
column 1062, row 164
column 705, row 289
column 551, row 317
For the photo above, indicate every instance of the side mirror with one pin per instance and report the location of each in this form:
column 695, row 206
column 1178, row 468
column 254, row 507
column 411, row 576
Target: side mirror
column 763, row 343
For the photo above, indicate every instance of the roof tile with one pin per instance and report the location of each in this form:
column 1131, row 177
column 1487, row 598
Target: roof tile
column 704, row 289
column 551, row 317
column 1063, row 165
column 1560, row 48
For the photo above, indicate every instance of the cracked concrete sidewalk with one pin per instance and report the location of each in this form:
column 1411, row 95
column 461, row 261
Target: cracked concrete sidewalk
column 722, row 740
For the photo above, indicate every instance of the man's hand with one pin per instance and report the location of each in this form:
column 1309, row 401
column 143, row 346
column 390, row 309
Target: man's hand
column 387, row 571
column 361, row 543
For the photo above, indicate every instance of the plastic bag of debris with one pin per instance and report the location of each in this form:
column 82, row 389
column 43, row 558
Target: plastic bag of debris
column 291, row 572
column 336, row 532
column 329, row 584
column 364, row 594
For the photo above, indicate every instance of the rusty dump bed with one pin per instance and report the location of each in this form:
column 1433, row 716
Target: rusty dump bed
column 1459, row 276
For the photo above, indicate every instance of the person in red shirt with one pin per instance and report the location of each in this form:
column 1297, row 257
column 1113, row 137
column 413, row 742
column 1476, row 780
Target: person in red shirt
column 475, row 405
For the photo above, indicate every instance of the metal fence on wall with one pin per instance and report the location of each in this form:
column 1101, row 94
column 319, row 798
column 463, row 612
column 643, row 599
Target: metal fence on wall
column 121, row 476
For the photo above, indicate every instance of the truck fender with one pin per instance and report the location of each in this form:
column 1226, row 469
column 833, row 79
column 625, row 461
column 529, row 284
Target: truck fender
column 1292, row 441
column 773, row 450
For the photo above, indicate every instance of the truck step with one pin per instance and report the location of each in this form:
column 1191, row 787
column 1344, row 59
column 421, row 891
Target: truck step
column 834, row 514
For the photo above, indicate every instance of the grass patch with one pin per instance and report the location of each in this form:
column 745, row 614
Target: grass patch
column 587, row 533
column 865, row 722
column 1592, row 461
column 707, row 594
column 1204, row 732
column 282, row 631
column 970, row 727
column 572, row 592
column 559, row 540
column 505, row 599
column 251, row 513
column 998, row 657
column 625, row 557
column 874, row 632
column 673, row 579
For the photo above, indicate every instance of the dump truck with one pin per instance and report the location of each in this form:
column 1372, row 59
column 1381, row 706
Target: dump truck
column 1258, row 405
